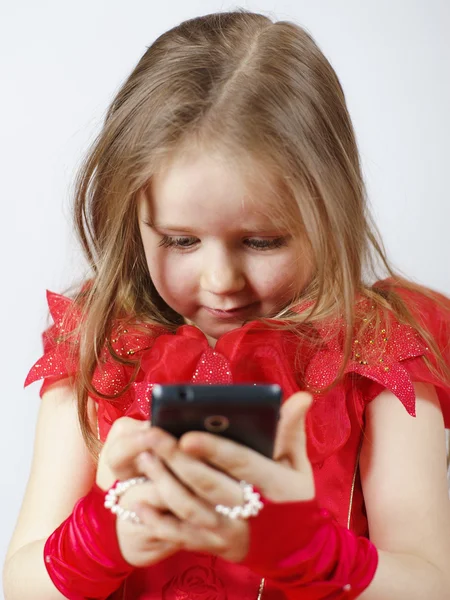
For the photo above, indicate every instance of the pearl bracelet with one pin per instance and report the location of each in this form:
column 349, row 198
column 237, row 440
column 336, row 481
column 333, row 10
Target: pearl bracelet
column 251, row 507
column 115, row 492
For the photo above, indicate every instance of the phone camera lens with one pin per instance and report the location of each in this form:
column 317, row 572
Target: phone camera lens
column 216, row 423
column 185, row 394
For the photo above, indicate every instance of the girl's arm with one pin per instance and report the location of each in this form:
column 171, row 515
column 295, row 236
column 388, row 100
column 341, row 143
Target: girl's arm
column 403, row 471
column 62, row 471
column 82, row 562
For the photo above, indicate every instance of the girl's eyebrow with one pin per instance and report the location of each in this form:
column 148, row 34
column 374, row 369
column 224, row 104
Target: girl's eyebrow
column 177, row 228
column 172, row 228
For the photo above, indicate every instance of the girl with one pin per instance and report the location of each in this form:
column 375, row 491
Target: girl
column 222, row 211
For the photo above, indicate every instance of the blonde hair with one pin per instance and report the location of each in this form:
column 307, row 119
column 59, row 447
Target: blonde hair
column 254, row 87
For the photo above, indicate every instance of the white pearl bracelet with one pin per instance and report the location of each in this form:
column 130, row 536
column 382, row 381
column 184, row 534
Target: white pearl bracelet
column 113, row 495
column 251, row 507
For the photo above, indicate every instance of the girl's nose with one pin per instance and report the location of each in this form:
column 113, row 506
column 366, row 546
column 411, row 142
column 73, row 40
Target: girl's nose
column 221, row 274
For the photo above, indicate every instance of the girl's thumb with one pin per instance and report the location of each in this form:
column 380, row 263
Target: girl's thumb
column 290, row 442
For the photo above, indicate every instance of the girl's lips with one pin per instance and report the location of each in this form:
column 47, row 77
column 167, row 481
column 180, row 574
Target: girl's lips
column 231, row 314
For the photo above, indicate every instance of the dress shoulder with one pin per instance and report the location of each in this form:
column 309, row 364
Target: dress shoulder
column 387, row 356
column 60, row 343
column 393, row 355
column 61, row 346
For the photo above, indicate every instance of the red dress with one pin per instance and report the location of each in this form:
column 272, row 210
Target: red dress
column 255, row 354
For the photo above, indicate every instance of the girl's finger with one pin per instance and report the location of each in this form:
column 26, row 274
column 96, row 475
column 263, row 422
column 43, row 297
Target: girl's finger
column 276, row 481
column 290, row 442
column 204, row 481
column 144, row 493
column 122, row 454
column 174, row 495
column 125, row 442
column 238, row 461
column 203, row 540
column 169, row 529
column 158, row 550
column 164, row 527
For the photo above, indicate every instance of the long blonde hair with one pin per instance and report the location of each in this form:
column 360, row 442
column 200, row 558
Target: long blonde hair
column 259, row 88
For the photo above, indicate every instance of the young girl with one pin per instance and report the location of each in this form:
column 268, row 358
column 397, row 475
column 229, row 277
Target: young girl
column 223, row 212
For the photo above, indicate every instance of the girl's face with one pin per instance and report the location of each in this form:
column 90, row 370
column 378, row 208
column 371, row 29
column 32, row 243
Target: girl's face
column 214, row 253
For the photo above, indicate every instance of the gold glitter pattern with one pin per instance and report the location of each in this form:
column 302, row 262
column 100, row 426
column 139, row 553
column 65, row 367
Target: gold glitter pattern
column 376, row 358
column 60, row 357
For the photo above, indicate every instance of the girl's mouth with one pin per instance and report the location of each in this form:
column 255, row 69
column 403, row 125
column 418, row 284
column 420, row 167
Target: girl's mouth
column 233, row 313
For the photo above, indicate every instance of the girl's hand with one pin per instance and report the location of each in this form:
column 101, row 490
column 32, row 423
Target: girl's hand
column 202, row 470
column 141, row 545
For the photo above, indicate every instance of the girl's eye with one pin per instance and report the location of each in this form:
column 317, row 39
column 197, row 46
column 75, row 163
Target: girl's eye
column 177, row 242
column 262, row 244
column 187, row 242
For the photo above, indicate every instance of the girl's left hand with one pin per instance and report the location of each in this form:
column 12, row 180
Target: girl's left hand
column 203, row 470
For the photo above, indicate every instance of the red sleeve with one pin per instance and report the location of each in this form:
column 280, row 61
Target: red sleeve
column 111, row 377
column 393, row 357
column 60, row 341
column 433, row 314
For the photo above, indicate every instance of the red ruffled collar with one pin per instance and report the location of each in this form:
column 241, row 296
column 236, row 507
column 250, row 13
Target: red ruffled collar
column 253, row 353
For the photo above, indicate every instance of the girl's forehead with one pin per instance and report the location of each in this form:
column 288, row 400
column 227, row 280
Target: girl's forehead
column 202, row 185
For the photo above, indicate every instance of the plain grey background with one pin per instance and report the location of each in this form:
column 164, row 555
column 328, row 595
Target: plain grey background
column 61, row 63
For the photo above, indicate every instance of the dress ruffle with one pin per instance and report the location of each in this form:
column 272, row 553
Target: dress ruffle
column 388, row 358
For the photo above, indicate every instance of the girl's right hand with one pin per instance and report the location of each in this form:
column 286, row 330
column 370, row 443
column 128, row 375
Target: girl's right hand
column 141, row 545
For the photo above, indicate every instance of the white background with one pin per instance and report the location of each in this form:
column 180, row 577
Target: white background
column 61, row 63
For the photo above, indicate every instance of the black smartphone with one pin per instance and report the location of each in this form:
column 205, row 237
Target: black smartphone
column 247, row 414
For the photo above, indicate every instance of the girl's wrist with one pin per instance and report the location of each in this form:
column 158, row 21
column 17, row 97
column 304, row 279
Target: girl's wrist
column 309, row 551
column 296, row 523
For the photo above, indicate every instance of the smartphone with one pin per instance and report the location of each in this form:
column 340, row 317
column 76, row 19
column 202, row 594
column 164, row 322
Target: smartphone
column 246, row 414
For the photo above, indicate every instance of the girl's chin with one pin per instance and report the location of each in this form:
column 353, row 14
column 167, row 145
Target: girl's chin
column 220, row 329
column 214, row 331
